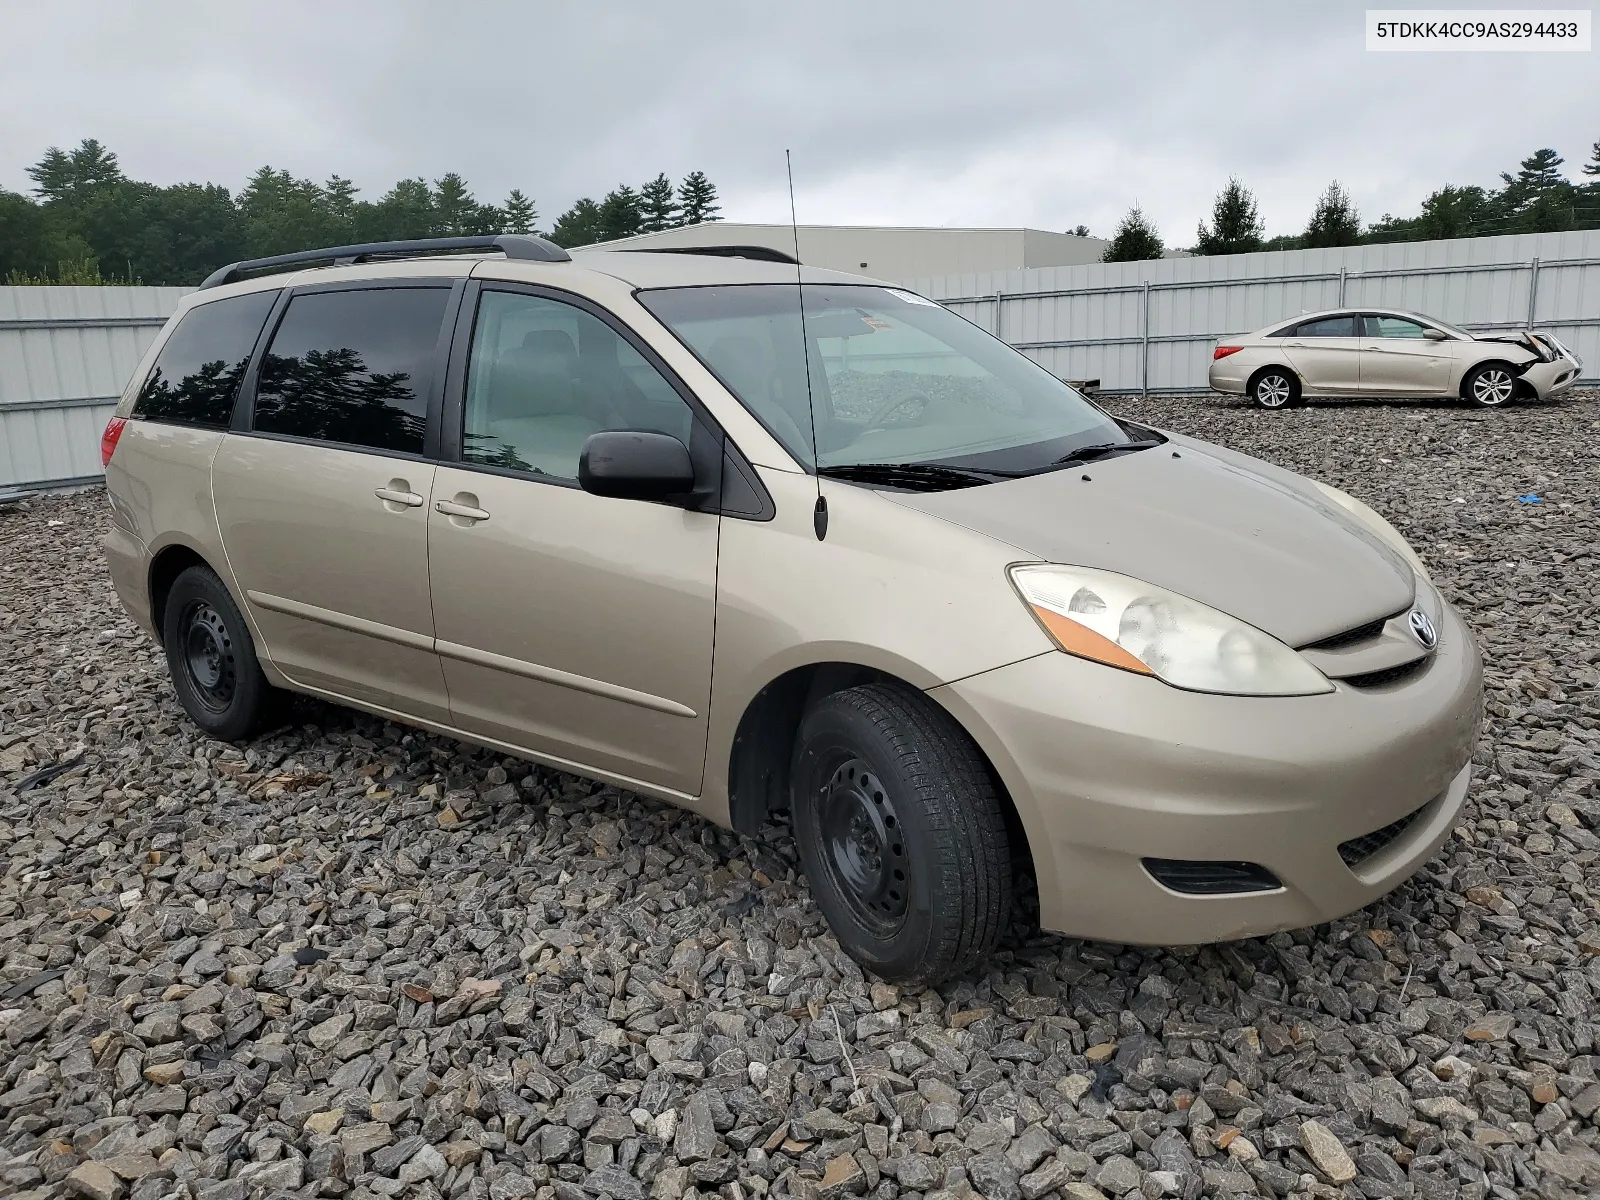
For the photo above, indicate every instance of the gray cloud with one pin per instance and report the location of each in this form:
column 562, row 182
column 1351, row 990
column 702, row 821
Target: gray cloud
column 1044, row 114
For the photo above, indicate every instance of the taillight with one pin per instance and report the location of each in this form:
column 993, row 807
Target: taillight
column 1224, row 351
column 109, row 439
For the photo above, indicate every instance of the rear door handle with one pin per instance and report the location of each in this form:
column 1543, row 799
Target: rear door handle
column 397, row 496
column 1377, row 349
column 465, row 511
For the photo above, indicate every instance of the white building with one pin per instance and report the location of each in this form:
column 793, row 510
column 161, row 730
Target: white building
column 886, row 252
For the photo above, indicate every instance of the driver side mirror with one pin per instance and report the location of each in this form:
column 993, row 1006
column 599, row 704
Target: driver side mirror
column 635, row 465
column 1435, row 335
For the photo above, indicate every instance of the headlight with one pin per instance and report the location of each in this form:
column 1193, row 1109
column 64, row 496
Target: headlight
column 1387, row 532
column 1125, row 623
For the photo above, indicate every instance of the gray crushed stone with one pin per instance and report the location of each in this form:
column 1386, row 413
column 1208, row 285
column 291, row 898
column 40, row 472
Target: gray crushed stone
column 353, row 960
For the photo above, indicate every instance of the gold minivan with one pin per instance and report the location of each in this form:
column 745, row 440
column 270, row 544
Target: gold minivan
column 755, row 538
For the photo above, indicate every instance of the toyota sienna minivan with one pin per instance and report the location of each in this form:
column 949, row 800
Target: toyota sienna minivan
column 627, row 515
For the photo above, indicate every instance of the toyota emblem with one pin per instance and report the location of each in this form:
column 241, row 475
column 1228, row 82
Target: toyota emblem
column 1422, row 629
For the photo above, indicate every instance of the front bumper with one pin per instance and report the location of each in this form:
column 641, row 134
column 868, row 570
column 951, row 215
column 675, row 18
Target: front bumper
column 1550, row 379
column 1107, row 768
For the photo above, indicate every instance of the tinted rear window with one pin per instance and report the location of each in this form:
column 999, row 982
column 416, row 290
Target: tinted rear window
column 1328, row 327
column 353, row 367
column 197, row 373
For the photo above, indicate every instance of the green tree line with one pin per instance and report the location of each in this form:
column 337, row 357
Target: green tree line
column 1538, row 198
column 87, row 222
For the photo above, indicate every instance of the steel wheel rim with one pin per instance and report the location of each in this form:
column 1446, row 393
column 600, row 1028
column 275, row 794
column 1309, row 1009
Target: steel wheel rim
column 1273, row 391
column 1492, row 387
column 208, row 658
column 863, row 846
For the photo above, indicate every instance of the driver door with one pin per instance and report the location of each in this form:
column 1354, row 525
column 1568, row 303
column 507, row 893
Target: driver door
column 578, row 627
column 1399, row 359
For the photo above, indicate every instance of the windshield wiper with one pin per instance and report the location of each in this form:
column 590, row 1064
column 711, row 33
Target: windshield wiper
column 1101, row 449
column 927, row 477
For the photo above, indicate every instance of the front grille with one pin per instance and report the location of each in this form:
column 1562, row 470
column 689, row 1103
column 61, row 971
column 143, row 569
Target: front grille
column 1361, row 633
column 1358, row 849
column 1200, row 878
column 1374, row 679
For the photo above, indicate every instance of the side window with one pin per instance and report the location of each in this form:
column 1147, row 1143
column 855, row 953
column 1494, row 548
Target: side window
column 544, row 375
column 1328, row 327
column 197, row 373
column 353, row 367
column 1391, row 327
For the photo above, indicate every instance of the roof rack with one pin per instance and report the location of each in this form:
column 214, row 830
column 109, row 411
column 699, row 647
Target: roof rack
column 512, row 245
column 756, row 253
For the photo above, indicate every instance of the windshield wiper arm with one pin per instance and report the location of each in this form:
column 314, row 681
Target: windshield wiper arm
column 923, row 476
column 1101, row 449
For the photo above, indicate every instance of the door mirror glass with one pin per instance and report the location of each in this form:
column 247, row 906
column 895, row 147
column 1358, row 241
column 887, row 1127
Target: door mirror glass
column 635, row 465
column 1436, row 335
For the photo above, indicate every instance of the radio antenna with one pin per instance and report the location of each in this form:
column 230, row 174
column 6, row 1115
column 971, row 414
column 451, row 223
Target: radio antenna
column 819, row 515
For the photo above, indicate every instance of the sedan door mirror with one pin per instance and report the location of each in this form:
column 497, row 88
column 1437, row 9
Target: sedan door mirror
column 635, row 465
column 1435, row 335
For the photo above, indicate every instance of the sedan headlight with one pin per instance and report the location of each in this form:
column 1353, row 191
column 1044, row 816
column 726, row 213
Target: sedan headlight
column 1385, row 531
column 1123, row 622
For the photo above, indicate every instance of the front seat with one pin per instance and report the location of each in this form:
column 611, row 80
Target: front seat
column 535, row 409
column 746, row 367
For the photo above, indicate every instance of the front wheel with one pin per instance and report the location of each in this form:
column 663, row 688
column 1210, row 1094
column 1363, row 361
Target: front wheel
column 1275, row 388
column 902, row 833
column 212, row 659
column 1490, row 386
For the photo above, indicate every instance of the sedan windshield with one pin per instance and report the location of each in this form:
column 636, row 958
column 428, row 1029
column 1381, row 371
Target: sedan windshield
column 893, row 379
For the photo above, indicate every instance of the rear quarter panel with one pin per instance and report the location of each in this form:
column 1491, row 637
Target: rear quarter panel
column 159, row 485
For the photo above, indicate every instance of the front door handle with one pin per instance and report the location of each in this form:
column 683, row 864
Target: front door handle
column 466, row 512
column 1373, row 349
column 399, row 492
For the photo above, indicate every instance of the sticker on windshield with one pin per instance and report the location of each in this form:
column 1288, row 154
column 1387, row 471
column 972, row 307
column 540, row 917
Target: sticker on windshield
column 912, row 297
column 875, row 323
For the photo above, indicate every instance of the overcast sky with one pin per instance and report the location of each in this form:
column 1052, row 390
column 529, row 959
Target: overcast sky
column 924, row 113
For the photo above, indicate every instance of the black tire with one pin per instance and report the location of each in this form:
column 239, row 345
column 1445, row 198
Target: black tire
column 1275, row 388
column 1490, row 385
column 878, row 761
column 212, row 659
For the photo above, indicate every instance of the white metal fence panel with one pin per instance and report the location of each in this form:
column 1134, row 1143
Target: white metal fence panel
column 1150, row 326
column 65, row 355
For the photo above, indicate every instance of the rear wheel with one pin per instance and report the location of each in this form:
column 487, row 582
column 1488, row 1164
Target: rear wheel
column 902, row 833
column 1491, row 385
column 1275, row 388
column 212, row 659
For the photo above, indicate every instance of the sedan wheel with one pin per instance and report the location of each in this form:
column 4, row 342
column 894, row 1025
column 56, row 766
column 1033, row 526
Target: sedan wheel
column 1275, row 389
column 1491, row 385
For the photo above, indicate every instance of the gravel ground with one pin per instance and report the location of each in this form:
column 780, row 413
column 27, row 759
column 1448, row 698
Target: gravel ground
column 353, row 960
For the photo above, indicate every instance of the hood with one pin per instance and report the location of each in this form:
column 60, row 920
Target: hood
column 1524, row 339
column 1238, row 534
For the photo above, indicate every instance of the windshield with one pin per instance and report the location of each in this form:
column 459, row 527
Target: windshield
column 1452, row 330
column 894, row 378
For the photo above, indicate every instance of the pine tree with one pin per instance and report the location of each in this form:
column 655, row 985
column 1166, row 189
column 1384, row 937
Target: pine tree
column 657, row 208
column 1335, row 221
column 619, row 213
column 458, row 213
column 1135, row 239
column 1080, row 231
column 579, row 225
column 61, row 175
column 697, row 196
column 1592, row 167
column 1235, row 223
column 519, row 213
column 1538, row 198
column 341, row 194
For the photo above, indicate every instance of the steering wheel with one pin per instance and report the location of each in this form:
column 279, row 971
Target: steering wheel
column 879, row 415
